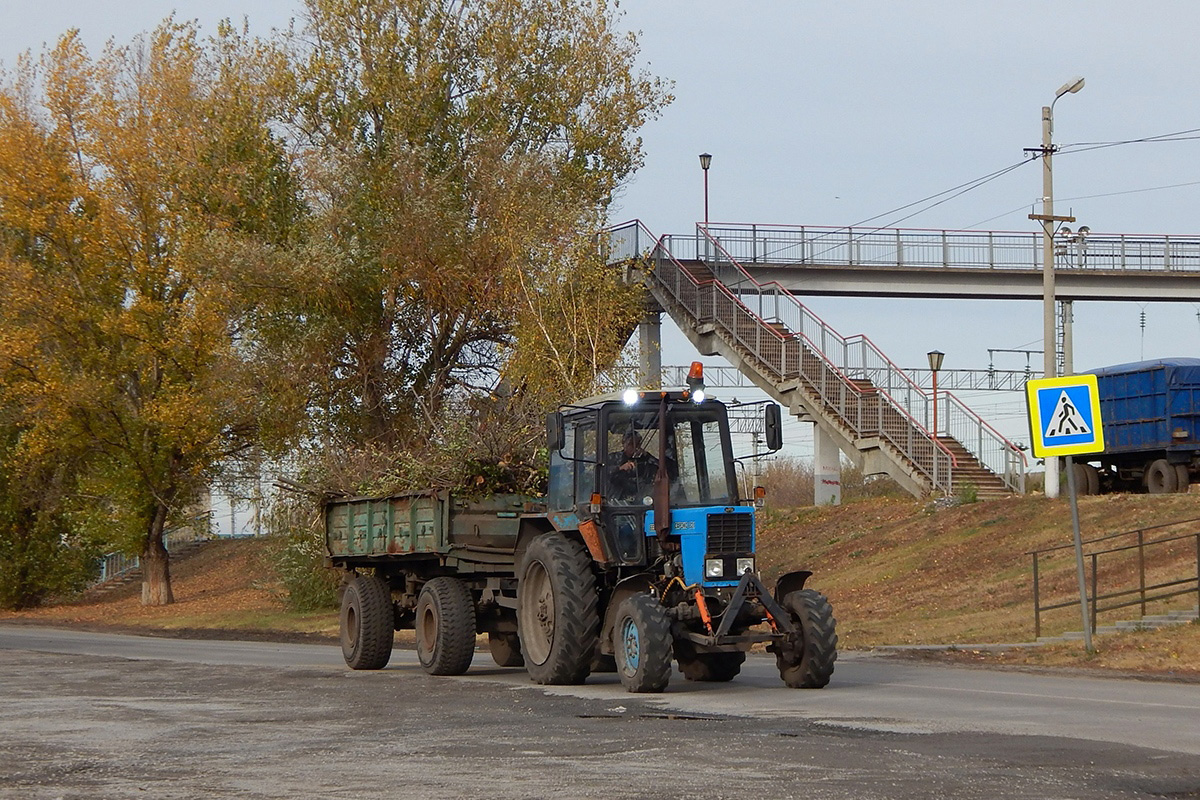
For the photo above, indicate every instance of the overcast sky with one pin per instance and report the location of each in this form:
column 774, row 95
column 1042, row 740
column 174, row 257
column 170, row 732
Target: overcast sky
column 833, row 113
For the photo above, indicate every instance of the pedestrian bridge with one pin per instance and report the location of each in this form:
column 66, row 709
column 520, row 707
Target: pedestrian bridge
column 898, row 262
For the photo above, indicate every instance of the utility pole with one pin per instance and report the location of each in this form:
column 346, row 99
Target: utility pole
column 1047, row 218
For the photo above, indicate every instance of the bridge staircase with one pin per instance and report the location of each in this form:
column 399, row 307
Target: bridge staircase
column 880, row 418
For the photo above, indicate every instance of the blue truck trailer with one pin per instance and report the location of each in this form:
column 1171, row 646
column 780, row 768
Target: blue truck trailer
column 1151, row 418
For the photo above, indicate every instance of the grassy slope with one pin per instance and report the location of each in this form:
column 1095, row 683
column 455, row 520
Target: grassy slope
column 899, row 572
column 896, row 572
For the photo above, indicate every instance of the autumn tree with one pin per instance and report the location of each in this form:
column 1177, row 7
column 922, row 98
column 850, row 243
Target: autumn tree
column 461, row 153
column 145, row 212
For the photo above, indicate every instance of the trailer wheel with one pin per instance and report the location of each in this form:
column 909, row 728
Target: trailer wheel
column 1087, row 479
column 807, row 661
column 368, row 623
column 506, row 649
column 445, row 623
column 557, row 620
column 1161, row 477
column 711, row 667
column 1183, row 478
column 642, row 644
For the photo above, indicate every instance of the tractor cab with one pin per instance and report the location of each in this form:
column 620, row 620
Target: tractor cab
column 649, row 475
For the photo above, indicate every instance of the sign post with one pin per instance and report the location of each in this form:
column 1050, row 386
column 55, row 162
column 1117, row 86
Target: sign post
column 1064, row 420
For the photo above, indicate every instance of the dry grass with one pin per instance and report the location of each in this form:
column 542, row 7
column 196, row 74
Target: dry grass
column 899, row 572
column 227, row 585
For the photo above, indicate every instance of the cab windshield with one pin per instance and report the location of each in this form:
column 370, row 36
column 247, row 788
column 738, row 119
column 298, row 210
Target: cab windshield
column 696, row 456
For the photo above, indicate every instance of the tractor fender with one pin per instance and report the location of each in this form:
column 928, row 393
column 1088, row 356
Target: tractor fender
column 790, row 582
column 642, row 583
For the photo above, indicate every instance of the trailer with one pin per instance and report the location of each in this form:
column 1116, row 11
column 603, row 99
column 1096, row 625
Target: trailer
column 641, row 554
column 1151, row 420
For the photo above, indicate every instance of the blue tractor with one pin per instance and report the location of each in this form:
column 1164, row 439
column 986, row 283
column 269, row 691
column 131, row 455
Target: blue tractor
column 651, row 556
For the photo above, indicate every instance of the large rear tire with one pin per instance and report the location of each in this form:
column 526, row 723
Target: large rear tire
column 445, row 623
column 807, row 661
column 1161, row 477
column 368, row 623
column 556, row 610
column 642, row 644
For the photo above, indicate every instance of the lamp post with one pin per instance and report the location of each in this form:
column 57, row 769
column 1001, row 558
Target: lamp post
column 705, row 163
column 935, row 364
column 1047, row 218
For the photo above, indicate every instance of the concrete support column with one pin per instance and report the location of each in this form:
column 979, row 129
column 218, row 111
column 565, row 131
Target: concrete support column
column 650, row 351
column 827, row 469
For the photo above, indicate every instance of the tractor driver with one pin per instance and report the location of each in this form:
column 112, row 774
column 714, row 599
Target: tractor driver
column 633, row 475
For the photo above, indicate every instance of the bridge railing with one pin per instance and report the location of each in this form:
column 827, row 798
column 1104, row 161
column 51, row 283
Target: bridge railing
column 859, row 359
column 915, row 247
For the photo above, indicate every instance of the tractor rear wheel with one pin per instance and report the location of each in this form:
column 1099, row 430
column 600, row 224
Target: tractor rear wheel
column 642, row 644
column 712, row 667
column 557, row 619
column 506, row 649
column 806, row 661
column 368, row 623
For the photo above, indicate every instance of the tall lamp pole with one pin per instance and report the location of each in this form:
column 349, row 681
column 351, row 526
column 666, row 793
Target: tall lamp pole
column 1047, row 218
column 705, row 163
column 935, row 364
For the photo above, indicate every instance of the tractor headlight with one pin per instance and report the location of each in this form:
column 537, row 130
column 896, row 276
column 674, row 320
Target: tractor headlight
column 745, row 565
column 714, row 568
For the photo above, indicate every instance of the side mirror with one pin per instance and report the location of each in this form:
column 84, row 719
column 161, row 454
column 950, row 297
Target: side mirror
column 773, row 423
column 554, row 432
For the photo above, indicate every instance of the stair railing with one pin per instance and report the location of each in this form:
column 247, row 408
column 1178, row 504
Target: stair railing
column 792, row 354
column 859, row 358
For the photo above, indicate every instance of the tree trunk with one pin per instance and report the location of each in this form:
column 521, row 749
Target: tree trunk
column 156, row 565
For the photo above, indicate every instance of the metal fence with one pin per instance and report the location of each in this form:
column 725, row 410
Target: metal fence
column 1137, row 571
column 116, row 565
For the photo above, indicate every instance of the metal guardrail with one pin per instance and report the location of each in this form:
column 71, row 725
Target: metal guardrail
column 920, row 248
column 116, row 565
column 726, row 377
column 1139, row 550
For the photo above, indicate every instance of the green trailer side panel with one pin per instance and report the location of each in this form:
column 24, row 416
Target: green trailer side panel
column 366, row 526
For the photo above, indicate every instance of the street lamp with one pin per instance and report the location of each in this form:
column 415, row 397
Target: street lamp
column 705, row 163
column 935, row 364
column 1047, row 218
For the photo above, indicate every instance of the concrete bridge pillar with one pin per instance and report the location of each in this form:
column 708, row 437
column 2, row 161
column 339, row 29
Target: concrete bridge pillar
column 650, row 350
column 827, row 468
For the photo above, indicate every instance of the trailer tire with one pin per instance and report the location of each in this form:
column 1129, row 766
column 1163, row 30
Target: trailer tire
column 557, row 620
column 445, row 626
column 506, row 649
column 368, row 622
column 807, row 661
column 1161, row 477
column 1183, row 478
column 710, row 667
column 1087, row 479
column 642, row 644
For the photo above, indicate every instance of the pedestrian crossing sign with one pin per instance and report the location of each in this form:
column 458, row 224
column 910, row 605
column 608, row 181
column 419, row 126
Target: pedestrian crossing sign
column 1064, row 416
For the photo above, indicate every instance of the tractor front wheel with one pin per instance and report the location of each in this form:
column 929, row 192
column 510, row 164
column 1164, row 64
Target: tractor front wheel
column 806, row 660
column 642, row 644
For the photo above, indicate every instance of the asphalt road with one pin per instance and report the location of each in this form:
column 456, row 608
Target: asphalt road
column 109, row 716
